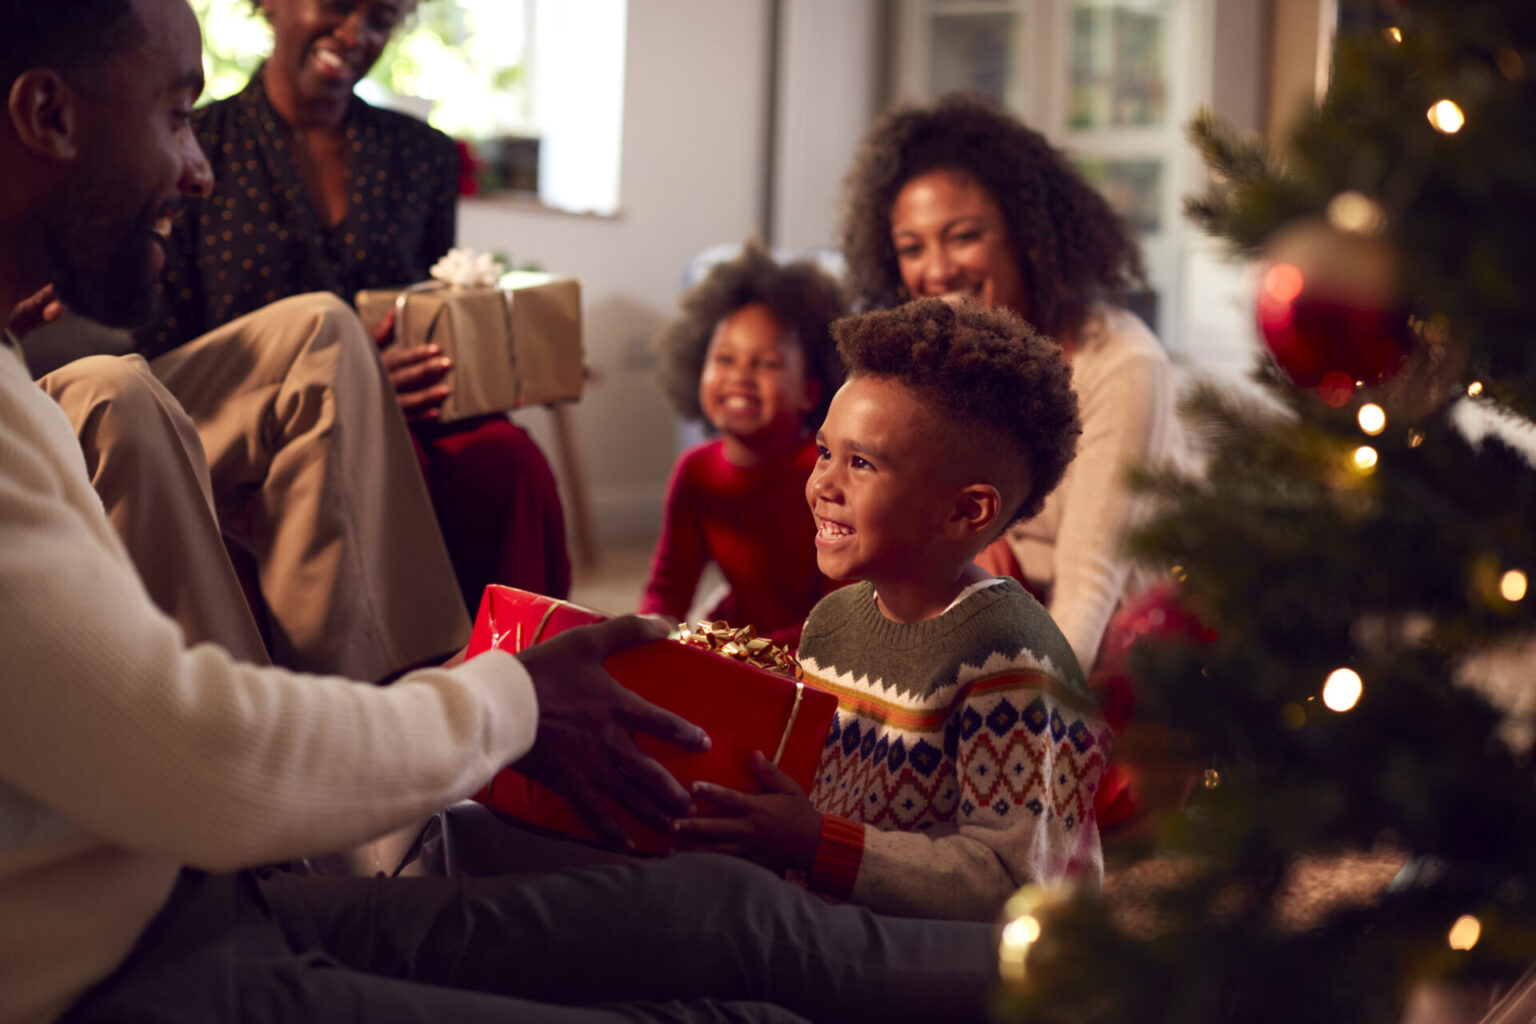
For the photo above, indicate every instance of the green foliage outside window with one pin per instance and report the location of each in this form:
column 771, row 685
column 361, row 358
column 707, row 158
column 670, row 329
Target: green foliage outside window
column 464, row 57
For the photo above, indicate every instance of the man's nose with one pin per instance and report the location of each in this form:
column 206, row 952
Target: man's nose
column 196, row 174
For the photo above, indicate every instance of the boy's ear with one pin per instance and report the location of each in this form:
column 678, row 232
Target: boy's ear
column 45, row 113
column 975, row 512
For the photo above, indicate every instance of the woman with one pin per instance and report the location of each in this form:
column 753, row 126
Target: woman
column 960, row 199
column 315, row 190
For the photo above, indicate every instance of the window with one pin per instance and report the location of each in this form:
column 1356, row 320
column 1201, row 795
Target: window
column 536, row 86
column 1109, row 81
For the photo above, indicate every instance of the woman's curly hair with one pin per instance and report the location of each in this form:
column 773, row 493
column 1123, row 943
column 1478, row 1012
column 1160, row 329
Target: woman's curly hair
column 801, row 296
column 984, row 370
column 1071, row 246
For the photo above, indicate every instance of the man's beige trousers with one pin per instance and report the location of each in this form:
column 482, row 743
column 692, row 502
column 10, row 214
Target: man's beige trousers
column 283, row 424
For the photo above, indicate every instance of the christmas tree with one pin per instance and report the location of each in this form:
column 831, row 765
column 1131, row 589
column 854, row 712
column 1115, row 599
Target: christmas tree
column 1356, row 669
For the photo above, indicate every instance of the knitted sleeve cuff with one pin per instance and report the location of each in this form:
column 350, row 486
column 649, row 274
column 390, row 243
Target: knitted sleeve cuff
column 838, row 853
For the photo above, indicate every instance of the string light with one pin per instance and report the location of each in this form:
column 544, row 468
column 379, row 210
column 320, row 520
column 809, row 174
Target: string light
column 1393, row 34
column 1356, row 213
column 1342, row 690
column 1513, row 585
column 1446, row 117
column 1475, row 388
column 1024, row 927
column 1372, row 418
column 1365, row 458
column 1465, row 932
column 1211, row 779
column 1415, row 438
column 1180, row 573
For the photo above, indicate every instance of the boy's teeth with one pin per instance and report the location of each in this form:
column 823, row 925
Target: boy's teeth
column 834, row 530
column 328, row 58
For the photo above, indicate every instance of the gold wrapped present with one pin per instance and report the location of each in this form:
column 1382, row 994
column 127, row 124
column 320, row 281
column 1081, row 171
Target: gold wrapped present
column 516, row 344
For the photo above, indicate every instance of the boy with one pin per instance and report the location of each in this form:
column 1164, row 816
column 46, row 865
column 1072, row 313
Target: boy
column 966, row 749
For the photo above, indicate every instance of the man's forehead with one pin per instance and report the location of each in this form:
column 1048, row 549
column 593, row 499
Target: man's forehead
column 171, row 45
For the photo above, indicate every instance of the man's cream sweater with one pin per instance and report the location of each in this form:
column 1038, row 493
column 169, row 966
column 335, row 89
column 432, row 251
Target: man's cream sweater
column 125, row 755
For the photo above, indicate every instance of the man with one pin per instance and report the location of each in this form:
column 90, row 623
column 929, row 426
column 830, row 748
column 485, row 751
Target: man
column 134, row 769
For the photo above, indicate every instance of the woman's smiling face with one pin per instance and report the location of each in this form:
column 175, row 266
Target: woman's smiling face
column 951, row 241
column 323, row 47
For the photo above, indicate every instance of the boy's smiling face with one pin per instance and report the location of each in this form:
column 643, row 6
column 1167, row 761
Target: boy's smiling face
column 754, row 388
column 878, row 489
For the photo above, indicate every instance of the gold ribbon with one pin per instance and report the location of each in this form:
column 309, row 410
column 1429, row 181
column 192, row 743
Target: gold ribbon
column 794, row 712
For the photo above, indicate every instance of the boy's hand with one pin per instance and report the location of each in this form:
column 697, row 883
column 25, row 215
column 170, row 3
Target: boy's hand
column 778, row 828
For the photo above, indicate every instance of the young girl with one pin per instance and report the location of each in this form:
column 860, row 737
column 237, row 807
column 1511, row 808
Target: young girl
column 751, row 355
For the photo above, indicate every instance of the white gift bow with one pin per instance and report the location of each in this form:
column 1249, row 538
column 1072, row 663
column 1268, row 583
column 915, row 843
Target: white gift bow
column 466, row 268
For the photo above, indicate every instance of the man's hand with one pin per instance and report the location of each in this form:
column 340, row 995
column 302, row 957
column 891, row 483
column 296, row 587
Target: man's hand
column 778, row 828
column 585, row 746
column 416, row 373
column 30, row 314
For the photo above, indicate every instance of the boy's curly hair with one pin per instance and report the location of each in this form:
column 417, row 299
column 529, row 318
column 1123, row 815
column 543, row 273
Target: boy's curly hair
column 801, row 296
column 1071, row 246
column 986, row 371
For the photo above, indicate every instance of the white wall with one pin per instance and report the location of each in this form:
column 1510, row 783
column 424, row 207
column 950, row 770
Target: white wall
column 693, row 158
column 828, row 60
column 694, row 174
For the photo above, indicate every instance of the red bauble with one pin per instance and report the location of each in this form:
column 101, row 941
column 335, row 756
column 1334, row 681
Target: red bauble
column 1329, row 308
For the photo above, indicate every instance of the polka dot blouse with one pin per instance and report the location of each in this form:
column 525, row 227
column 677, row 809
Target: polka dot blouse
column 258, row 237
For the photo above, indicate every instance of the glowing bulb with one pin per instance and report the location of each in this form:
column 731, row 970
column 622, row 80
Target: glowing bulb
column 1211, row 779
column 1446, row 117
column 1342, row 690
column 1365, row 458
column 1465, row 932
column 1180, row 573
column 1357, row 213
column 1475, row 388
column 1021, row 932
column 1025, row 914
column 1415, row 438
column 1014, row 945
column 1372, row 418
column 1513, row 585
column 1394, row 34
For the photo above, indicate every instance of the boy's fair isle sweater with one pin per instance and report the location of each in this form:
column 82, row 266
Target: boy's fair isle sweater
column 963, row 758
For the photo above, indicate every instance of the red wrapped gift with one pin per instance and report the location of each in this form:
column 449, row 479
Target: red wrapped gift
column 743, row 709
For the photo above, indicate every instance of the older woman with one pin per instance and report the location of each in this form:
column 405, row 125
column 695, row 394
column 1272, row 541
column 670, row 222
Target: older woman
column 315, row 190
column 960, row 199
